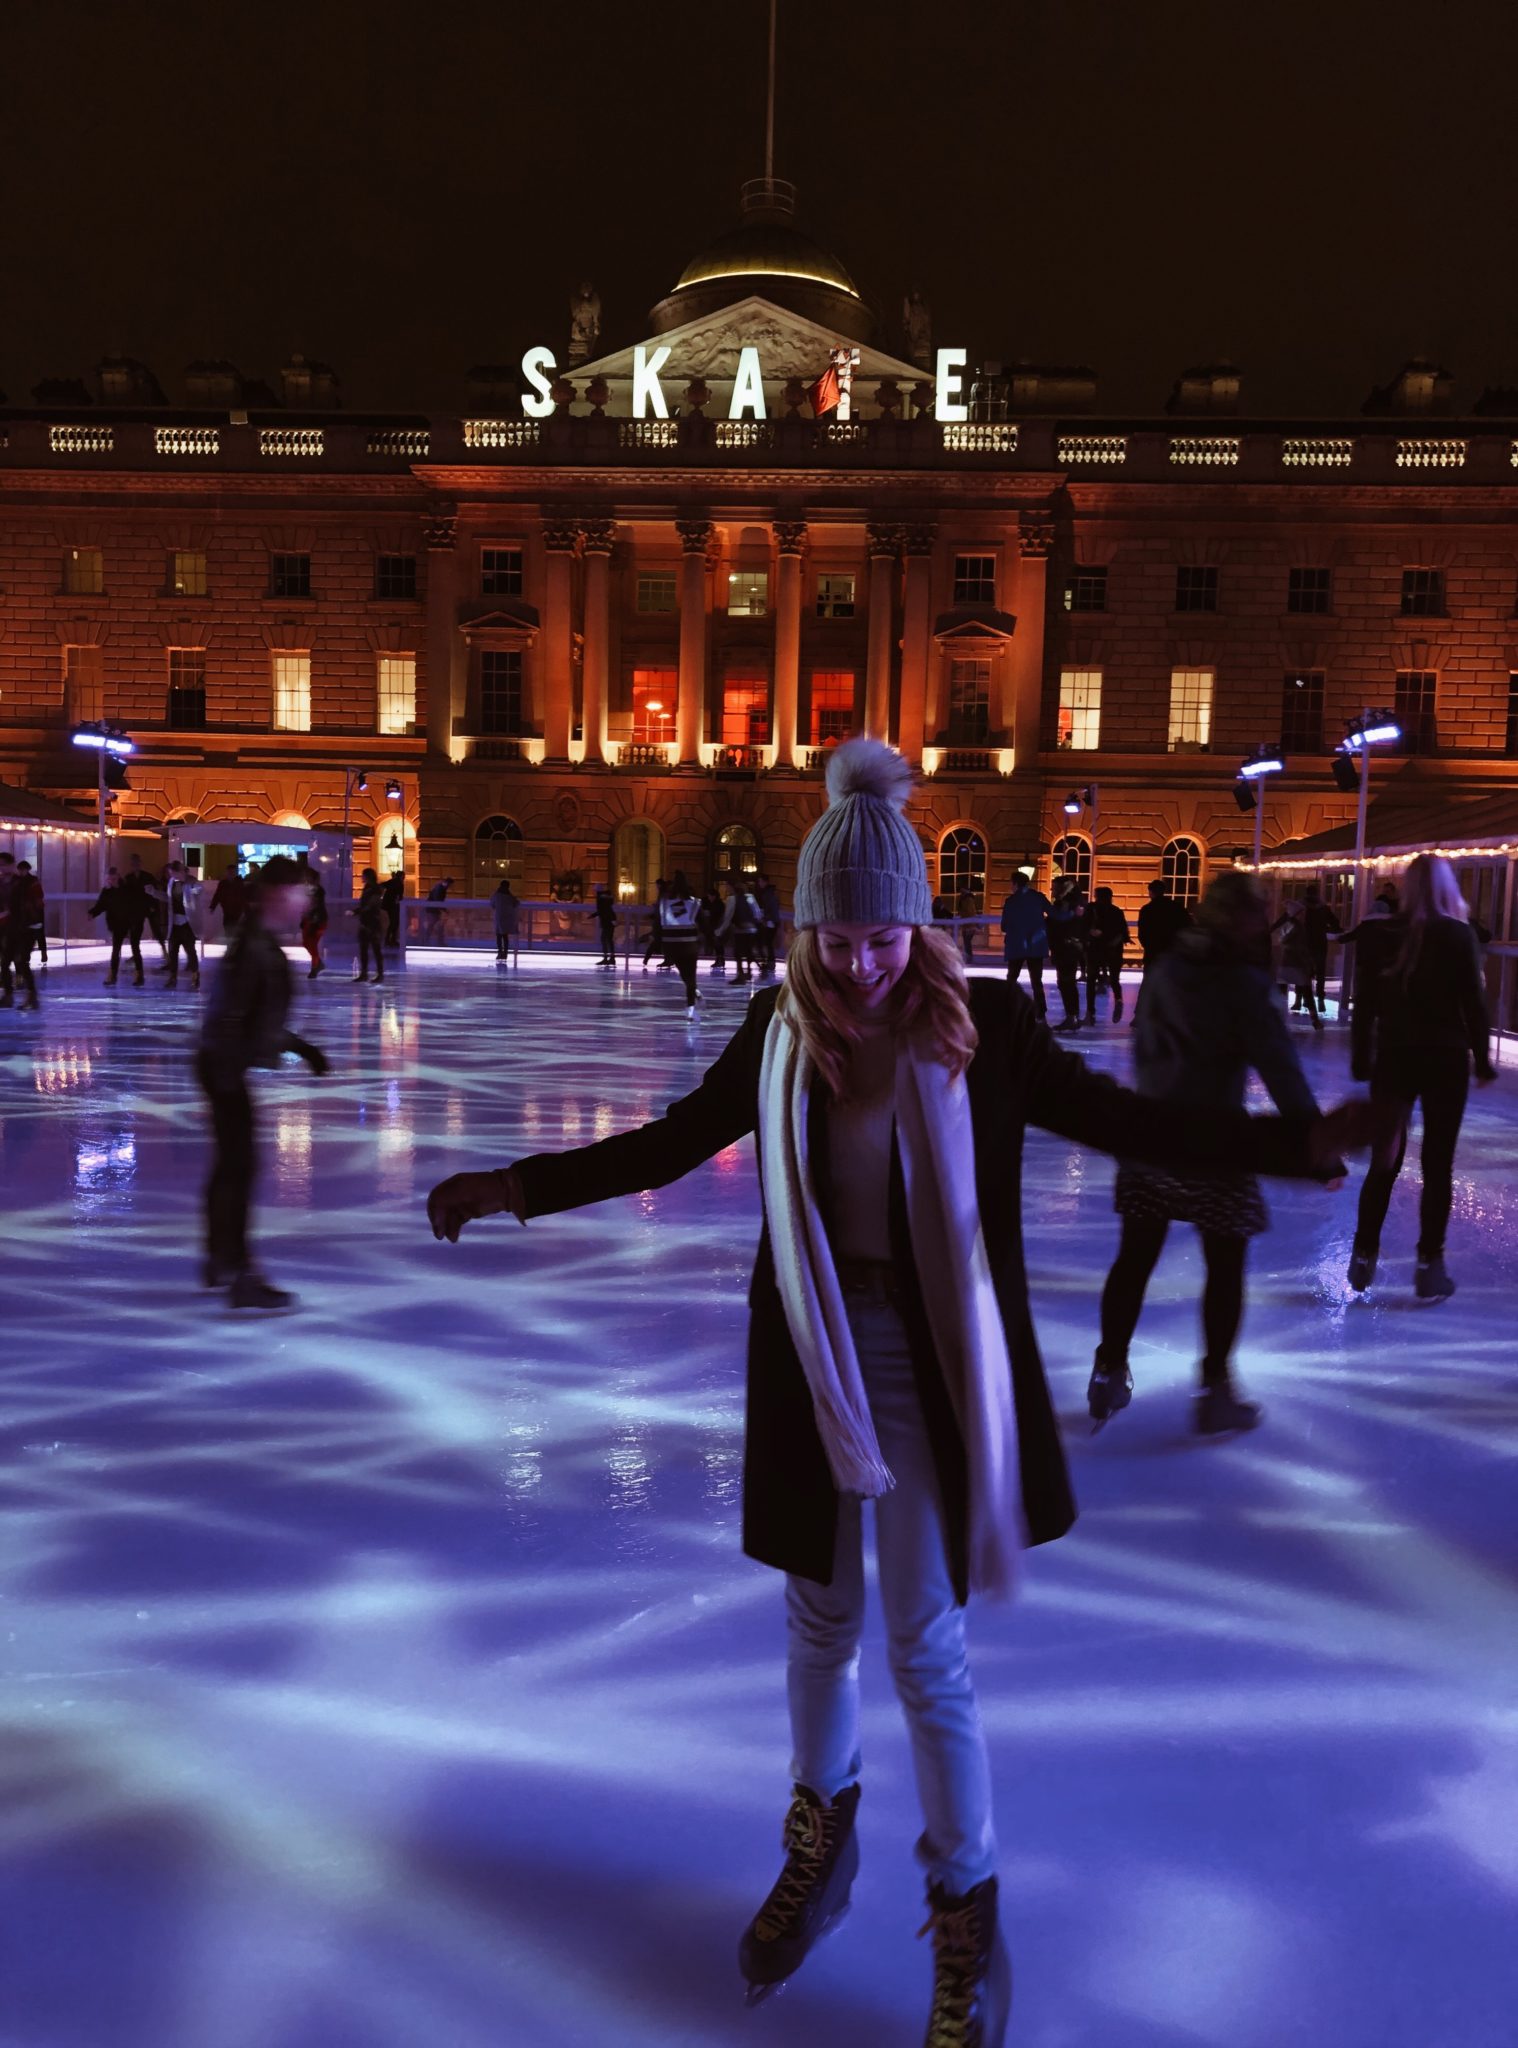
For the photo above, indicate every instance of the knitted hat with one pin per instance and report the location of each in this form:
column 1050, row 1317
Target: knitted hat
column 862, row 863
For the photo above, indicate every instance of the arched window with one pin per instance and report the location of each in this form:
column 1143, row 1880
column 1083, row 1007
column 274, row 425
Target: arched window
column 637, row 860
column 1071, row 855
column 735, row 854
column 962, row 864
column 1181, row 870
column 497, row 854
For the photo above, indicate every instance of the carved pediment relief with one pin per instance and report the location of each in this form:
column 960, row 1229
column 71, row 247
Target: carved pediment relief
column 510, row 624
column 984, row 632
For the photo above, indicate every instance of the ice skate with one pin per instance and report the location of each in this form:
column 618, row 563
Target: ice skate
column 1220, row 1409
column 253, row 1291
column 972, row 1971
column 1109, row 1389
column 810, row 1895
column 1362, row 1269
column 1431, row 1281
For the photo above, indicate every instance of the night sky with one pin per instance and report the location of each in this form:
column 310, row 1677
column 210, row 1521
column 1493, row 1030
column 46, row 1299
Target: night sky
column 1315, row 191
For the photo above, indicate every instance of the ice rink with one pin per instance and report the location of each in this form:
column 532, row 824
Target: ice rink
column 389, row 1675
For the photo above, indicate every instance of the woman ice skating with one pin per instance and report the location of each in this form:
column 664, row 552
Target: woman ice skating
column 313, row 925
column 679, row 924
column 506, row 910
column 1298, row 960
column 1419, row 1021
column 1209, row 1014
column 370, row 912
column 891, row 1353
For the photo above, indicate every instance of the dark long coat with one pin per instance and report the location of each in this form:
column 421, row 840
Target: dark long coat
column 1020, row 1075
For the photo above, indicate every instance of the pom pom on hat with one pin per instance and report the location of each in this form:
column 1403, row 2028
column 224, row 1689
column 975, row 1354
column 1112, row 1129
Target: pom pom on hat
column 862, row 862
column 866, row 767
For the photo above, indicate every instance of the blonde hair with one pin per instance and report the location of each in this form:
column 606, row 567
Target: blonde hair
column 933, row 994
column 1430, row 889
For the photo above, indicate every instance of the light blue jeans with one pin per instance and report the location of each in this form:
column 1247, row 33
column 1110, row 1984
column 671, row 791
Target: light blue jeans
column 925, row 1629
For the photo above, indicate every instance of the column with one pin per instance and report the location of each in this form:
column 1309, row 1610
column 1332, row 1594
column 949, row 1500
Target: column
column 695, row 538
column 446, row 671
column 917, row 650
column 561, row 542
column 1022, row 709
column 790, row 541
column 596, row 538
column 880, row 545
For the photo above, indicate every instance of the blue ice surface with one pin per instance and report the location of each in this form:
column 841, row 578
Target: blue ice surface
column 390, row 1674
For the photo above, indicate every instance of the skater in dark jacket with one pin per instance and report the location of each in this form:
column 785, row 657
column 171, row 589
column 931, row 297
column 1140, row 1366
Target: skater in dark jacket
column 1106, row 936
column 112, row 905
column 1067, row 947
column 1025, row 935
column 370, row 912
column 20, row 916
column 244, row 1026
column 1209, row 1015
column 891, row 1351
column 1418, row 1025
column 606, row 920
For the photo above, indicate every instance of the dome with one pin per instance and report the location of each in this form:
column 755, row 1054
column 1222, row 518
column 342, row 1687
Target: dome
column 759, row 249
column 767, row 256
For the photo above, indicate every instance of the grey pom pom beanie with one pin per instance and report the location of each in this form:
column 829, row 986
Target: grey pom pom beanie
column 862, row 863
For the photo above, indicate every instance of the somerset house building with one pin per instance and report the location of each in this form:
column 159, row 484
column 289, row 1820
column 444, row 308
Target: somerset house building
column 609, row 620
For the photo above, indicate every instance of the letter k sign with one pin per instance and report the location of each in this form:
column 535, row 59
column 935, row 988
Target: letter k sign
column 646, row 386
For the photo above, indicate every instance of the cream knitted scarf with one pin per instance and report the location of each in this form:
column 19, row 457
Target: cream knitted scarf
column 948, row 1248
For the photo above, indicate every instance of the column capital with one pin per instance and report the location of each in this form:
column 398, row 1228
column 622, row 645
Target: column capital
column 561, row 536
column 790, row 536
column 441, row 525
column 919, row 537
column 696, row 535
column 882, row 538
column 598, row 536
column 1035, row 536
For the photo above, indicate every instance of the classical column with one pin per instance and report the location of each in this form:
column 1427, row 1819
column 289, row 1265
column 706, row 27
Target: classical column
column 917, row 651
column 880, row 545
column 695, row 538
column 561, row 541
column 790, row 540
column 446, row 672
column 596, row 538
column 1023, row 687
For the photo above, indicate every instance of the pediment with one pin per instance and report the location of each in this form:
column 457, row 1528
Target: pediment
column 984, row 632
column 788, row 344
column 505, row 619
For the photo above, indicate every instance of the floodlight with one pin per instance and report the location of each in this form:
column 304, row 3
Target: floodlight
column 1072, row 805
column 1264, row 763
column 392, row 791
column 1245, row 795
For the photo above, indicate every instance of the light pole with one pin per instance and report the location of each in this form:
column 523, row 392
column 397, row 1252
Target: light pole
column 1087, row 799
column 1371, row 729
column 353, row 779
column 1250, row 786
column 104, row 739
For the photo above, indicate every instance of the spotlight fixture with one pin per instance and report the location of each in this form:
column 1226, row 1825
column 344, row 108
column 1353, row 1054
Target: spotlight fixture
column 1245, row 795
column 1081, row 799
column 1344, row 772
column 1072, row 805
column 1376, row 729
column 1266, row 762
column 392, row 791
column 105, row 739
column 361, row 782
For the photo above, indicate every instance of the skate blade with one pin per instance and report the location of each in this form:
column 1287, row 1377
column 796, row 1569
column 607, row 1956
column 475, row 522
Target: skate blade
column 756, row 1994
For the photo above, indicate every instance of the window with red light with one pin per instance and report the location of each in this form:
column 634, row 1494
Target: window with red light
column 653, row 706
column 832, row 705
column 745, row 711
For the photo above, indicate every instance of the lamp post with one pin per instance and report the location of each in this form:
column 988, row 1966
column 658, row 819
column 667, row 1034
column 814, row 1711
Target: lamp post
column 104, row 739
column 1264, row 762
column 353, row 779
column 1371, row 729
column 1087, row 799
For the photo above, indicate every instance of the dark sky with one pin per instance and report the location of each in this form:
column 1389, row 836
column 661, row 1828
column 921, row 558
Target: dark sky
column 1315, row 190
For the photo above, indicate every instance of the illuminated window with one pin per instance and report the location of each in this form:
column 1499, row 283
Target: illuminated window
column 835, row 595
column 1196, row 588
column 975, row 579
column 1086, row 590
column 83, row 572
column 1071, row 855
column 396, row 689
column 83, row 684
column 292, row 692
column 1302, row 711
column 748, row 593
column 290, row 575
column 1511, row 747
column 657, row 594
column 1190, row 710
column 1309, row 590
column 497, row 854
column 1423, row 593
column 969, row 703
column 187, row 573
column 745, row 712
column 500, row 572
column 1417, row 691
column 736, row 855
column 1080, row 708
column 501, row 691
column 653, row 695
column 1181, row 870
column 395, row 578
column 832, row 705
column 962, row 865
column 186, row 710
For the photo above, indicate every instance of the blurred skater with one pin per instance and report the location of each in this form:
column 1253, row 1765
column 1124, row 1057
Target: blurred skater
column 112, row 905
column 244, row 1026
column 506, row 910
column 1025, row 935
column 1106, row 937
column 313, row 924
column 682, row 935
column 606, row 921
column 1418, row 1025
column 179, row 895
column 370, row 912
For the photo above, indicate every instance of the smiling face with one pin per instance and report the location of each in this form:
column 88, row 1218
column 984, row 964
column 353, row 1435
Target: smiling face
column 864, row 962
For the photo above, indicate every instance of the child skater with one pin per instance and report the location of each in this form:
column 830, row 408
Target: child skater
column 891, row 1354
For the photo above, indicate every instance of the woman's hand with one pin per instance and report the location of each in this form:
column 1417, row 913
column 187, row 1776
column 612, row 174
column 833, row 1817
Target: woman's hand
column 1345, row 1129
column 466, row 1197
